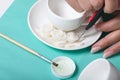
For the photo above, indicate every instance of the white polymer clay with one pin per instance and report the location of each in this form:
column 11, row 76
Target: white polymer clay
column 60, row 38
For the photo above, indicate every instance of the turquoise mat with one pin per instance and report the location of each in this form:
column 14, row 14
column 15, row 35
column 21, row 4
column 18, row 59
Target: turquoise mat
column 17, row 64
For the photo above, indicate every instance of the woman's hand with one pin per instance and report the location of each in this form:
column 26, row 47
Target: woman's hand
column 112, row 41
column 86, row 5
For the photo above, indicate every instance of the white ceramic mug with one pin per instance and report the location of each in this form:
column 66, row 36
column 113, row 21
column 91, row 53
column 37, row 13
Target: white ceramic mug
column 100, row 69
column 63, row 16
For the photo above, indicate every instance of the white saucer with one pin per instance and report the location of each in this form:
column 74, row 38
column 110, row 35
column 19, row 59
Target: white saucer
column 37, row 16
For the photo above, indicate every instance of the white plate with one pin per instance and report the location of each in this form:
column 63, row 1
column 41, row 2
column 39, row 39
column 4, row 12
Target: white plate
column 37, row 16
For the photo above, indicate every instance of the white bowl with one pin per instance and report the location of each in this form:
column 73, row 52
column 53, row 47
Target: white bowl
column 63, row 16
column 65, row 69
column 100, row 69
